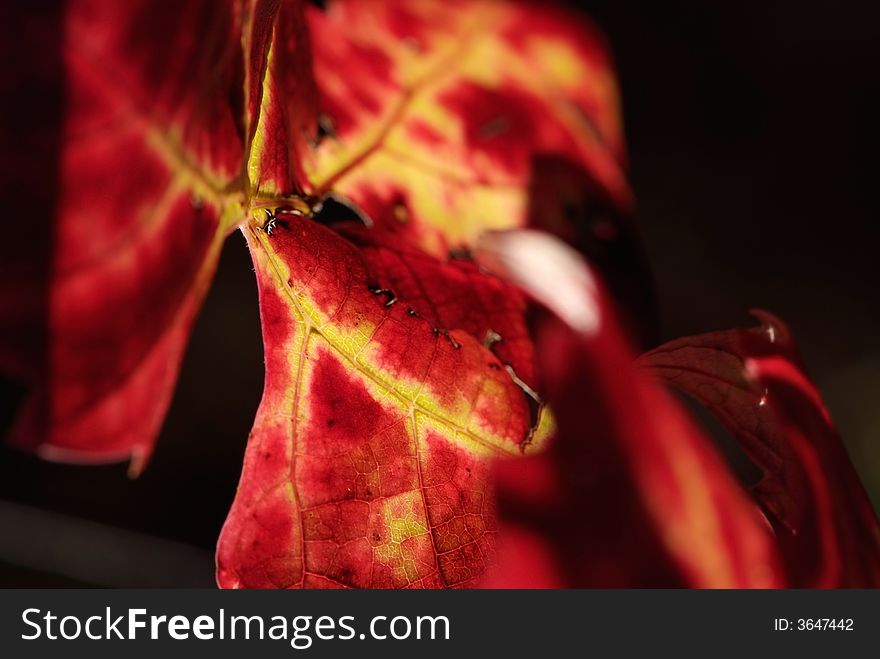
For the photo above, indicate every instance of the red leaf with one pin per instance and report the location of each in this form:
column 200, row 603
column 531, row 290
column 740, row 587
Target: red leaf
column 754, row 382
column 629, row 493
column 133, row 252
column 438, row 110
column 368, row 462
column 155, row 157
column 453, row 294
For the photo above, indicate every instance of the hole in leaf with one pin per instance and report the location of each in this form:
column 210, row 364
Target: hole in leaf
column 335, row 209
column 533, row 400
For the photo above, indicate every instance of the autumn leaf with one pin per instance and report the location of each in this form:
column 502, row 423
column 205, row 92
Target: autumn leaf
column 367, row 465
column 435, row 112
column 363, row 150
column 753, row 380
column 394, row 374
column 148, row 145
column 630, row 492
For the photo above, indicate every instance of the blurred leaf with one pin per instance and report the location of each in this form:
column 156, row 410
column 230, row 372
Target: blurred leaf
column 435, row 111
column 153, row 152
column 629, row 493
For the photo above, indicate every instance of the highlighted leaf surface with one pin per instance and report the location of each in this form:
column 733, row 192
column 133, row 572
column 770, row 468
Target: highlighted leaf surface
column 367, row 465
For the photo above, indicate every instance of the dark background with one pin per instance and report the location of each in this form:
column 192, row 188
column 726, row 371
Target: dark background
column 753, row 133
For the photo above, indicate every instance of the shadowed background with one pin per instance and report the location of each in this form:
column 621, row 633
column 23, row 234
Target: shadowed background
column 752, row 133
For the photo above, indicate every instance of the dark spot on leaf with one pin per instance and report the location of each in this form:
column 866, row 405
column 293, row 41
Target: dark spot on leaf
column 493, row 128
column 324, row 129
column 390, row 298
column 455, row 344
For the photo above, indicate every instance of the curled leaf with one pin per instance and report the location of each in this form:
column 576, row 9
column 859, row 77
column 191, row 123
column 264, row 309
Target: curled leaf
column 279, row 96
column 754, row 382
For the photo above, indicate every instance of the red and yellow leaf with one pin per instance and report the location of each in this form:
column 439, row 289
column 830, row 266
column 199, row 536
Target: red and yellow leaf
column 754, row 382
column 368, row 462
column 148, row 146
column 438, row 109
column 629, row 492
column 154, row 157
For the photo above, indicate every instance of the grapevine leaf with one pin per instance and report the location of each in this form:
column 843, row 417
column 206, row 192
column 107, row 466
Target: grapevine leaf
column 369, row 458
